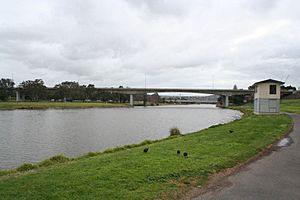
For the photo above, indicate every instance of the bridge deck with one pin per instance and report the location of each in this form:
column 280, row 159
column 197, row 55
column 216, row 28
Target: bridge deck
column 227, row 92
column 178, row 90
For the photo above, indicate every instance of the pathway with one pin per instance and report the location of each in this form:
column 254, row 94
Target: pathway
column 276, row 176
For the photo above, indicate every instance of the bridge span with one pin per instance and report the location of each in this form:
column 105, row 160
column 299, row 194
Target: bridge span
column 225, row 93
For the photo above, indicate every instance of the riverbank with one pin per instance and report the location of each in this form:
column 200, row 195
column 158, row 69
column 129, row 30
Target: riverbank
column 129, row 173
column 12, row 105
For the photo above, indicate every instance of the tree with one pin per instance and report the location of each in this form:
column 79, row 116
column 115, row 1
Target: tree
column 70, row 90
column 6, row 88
column 33, row 90
column 91, row 92
column 123, row 98
column 237, row 99
column 235, row 87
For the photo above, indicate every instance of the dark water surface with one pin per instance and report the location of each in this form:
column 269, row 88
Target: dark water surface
column 35, row 135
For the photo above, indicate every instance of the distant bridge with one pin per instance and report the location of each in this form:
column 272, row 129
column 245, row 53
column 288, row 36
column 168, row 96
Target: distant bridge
column 225, row 93
column 191, row 101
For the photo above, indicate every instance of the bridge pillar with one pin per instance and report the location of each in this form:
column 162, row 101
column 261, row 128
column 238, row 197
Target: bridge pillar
column 17, row 95
column 131, row 100
column 226, row 101
column 145, row 99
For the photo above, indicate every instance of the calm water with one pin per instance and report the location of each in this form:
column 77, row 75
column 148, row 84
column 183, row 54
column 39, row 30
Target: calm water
column 35, row 135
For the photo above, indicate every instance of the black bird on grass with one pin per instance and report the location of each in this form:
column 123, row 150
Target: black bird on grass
column 178, row 152
column 185, row 154
column 230, row 131
column 146, row 150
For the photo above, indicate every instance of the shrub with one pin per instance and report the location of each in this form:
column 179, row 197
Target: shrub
column 26, row 167
column 174, row 131
column 146, row 142
column 53, row 160
column 92, row 154
column 59, row 159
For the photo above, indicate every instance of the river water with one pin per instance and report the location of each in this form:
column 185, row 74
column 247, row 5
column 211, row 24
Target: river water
column 35, row 135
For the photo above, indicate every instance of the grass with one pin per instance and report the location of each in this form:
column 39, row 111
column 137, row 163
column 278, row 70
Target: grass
column 129, row 173
column 286, row 105
column 10, row 105
column 292, row 106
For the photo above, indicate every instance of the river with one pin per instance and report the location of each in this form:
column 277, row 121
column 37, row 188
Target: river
column 35, row 135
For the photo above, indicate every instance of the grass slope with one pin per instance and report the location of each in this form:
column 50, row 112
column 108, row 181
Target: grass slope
column 160, row 173
column 292, row 106
column 45, row 105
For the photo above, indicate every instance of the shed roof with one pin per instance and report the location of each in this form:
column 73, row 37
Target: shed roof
column 269, row 81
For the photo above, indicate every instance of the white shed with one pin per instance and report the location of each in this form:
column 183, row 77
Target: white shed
column 267, row 96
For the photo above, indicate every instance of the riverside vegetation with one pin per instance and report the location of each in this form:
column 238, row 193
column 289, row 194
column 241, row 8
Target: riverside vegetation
column 129, row 173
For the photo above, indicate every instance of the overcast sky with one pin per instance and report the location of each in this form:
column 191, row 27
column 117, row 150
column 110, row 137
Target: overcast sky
column 175, row 43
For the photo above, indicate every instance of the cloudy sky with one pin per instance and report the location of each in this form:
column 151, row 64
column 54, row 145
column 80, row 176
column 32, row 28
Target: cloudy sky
column 175, row 43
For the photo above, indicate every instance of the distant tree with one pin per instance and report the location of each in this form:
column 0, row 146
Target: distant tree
column 237, row 99
column 6, row 88
column 70, row 90
column 290, row 88
column 91, row 92
column 123, row 98
column 235, row 87
column 33, row 90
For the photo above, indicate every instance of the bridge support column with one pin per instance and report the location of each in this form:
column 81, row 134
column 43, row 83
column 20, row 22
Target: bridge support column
column 17, row 96
column 131, row 99
column 226, row 101
column 145, row 99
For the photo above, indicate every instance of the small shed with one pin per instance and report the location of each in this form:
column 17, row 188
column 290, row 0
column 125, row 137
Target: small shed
column 267, row 97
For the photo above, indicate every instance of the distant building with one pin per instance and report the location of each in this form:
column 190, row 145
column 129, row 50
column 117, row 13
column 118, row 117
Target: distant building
column 267, row 96
column 154, row 98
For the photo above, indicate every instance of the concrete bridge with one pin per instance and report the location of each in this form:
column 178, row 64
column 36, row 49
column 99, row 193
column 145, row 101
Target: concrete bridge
column 194, row 101
column 225, row 93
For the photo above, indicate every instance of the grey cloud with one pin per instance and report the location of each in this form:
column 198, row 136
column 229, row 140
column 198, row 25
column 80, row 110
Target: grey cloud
column 174, row 42
column 262, row 5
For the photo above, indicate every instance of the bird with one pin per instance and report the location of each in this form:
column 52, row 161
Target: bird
column 178, row 152
column 185, row 154
column 230, row 131
column 146, row 150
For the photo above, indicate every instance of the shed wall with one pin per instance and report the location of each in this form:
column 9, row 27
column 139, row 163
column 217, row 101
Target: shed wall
column 263, row 91
column 266, row 106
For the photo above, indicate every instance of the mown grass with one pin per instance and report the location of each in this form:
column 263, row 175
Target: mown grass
column 292, row 106
column 286, row 105
column 10, row 105
column 129, row 173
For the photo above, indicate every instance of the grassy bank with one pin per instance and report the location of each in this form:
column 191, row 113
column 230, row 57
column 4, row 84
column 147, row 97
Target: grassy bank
column 292, row 106
column 160, row 173
column 45, row 105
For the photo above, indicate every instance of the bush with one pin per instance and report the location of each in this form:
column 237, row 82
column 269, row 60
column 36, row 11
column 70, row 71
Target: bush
column 174, row 131
column 146, row 142
column 26, row 167
column 53, row 160
column 91, row 154
column 59, row 159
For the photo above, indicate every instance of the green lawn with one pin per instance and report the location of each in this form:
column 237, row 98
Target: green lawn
column 45, row 105
column 292, row 106
column 160, row 173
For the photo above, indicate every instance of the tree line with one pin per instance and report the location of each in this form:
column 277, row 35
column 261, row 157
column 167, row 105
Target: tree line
column 35, row 90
